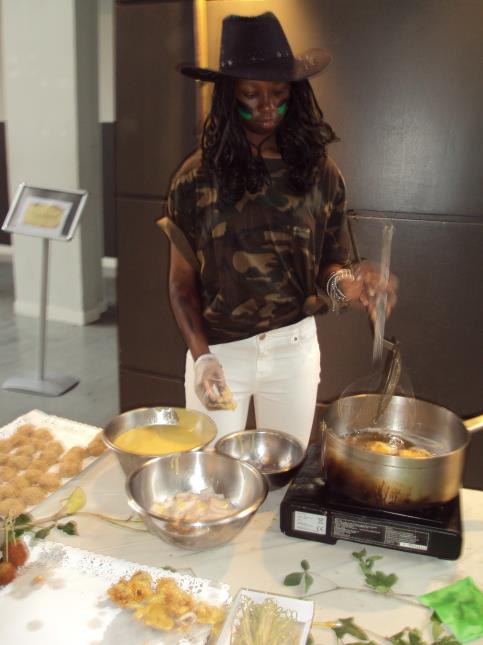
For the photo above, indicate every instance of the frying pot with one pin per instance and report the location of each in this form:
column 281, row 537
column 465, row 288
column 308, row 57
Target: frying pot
column 391, row 481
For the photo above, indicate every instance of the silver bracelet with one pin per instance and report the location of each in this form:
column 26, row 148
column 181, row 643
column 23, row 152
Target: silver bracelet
column 335, row 294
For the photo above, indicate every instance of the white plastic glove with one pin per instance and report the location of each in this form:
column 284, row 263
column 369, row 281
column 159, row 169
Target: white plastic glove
column 210, row 385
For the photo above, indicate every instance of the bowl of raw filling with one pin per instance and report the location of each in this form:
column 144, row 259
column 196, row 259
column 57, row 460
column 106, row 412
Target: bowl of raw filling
column 196, row 500
column 139, row 435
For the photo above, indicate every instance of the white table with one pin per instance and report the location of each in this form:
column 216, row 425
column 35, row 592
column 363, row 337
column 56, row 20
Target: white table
column 260, row 557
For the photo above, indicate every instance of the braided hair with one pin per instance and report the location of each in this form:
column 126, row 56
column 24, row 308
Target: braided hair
column 301, row 137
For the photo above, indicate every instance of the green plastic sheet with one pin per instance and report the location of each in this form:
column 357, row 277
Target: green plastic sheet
column 460, row 607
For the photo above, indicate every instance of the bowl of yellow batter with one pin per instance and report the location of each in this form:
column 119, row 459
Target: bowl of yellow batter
column 139, row 435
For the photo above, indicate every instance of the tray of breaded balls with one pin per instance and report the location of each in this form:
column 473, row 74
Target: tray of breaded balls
column 39, row 453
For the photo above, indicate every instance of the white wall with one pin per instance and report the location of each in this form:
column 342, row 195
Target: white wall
column 53, row 139
column 107, row 111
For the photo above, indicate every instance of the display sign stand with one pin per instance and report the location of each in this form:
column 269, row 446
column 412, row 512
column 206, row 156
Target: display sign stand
column 49, row 214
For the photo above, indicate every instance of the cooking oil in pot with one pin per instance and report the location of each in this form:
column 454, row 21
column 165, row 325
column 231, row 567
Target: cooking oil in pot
column 387, row 443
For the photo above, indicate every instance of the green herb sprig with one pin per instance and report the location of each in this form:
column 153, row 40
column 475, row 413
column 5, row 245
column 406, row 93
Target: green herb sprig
column 298, row 577
column 377, row 580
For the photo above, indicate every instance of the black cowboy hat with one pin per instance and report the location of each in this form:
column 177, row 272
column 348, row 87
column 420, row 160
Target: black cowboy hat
column 256, row 48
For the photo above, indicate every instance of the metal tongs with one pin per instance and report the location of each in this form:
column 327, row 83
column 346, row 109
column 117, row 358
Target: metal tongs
column 390, row 378
column 381, row 297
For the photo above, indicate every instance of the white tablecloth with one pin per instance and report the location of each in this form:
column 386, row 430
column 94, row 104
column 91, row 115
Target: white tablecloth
column 260, row 557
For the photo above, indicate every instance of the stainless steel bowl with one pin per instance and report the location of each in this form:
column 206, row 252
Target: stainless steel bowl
column 162, row 478
column 154, row 416
column 277, row 455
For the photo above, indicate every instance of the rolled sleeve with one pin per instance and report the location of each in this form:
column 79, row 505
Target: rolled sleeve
column 178, row 221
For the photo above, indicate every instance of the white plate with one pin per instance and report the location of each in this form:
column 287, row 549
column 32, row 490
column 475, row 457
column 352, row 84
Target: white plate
column 69, row 433
column 71, row 605
column 303, row 608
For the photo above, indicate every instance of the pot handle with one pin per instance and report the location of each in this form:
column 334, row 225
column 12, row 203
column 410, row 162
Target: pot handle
column 475, row 424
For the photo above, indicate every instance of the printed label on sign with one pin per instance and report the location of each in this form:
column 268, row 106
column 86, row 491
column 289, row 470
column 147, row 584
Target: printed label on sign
column 310, row 523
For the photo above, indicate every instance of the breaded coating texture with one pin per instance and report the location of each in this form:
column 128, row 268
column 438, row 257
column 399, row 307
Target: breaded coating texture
column 11, row 506
column 69, row 467
column 50, row 482
column 7, row 490
column 7, row 473
column 32, row 495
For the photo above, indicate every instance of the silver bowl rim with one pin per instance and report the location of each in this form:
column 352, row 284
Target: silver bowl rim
column 249, row 510
column 284, row 435
column 121, row 451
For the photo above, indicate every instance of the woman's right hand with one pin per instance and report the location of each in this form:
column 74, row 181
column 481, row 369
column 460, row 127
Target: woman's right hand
column 210, row 386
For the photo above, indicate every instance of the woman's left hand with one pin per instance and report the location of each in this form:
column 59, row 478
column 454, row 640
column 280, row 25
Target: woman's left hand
column 366, row 286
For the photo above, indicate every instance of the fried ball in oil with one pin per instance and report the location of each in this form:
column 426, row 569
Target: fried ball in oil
column 69, row 467
column 12, row 506
column 26, row 430
column 7, row 490
column 7, row 473
column 33, row 475
column 27, row 450
column 32, row 495
column 76, row 453
column 414, row 453
column 96, row 447
column 19, row 462
column 49, row 481
column 44, row 434
column 48, row 458
column 20, row 482
column 53, row 446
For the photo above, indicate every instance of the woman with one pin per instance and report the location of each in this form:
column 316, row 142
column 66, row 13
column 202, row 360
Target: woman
column 256, row 220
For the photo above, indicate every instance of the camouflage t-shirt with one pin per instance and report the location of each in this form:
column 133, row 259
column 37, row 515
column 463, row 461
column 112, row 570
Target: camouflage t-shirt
column 257, row 259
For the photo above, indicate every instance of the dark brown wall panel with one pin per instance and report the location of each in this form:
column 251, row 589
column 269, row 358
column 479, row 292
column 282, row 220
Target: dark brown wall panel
column 149, row 339
column 438, row 318
column 4, row 202
column 155, row 105
column 108, row 192
column 138, row 390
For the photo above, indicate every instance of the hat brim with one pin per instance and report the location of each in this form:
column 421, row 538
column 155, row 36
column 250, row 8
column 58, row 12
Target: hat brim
column 298, row 68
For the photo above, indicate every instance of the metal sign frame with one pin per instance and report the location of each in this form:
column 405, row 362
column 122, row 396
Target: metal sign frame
column 45, row 212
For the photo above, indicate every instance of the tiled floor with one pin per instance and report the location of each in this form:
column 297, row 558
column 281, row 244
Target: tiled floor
column 88, row 353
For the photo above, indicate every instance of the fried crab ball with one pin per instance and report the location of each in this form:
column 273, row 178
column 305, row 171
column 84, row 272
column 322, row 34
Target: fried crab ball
column 4, row 457
column 96, row 447
column 76, row 453
column 6, row 445
column 19, row 462
column 69, row 467
column 7, row 473
column 44, row 434
column 33, row 475
column 32, row 495
column 47, row 458
column 27, row 450
column 53, row 446
column 20, row 482
column 26, row 430
column 11, row 506
column 7, row 490
column 40, row 464
column 49, row 482
column 18, row 440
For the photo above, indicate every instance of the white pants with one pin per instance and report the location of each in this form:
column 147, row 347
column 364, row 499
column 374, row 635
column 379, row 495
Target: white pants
column 280, row 369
